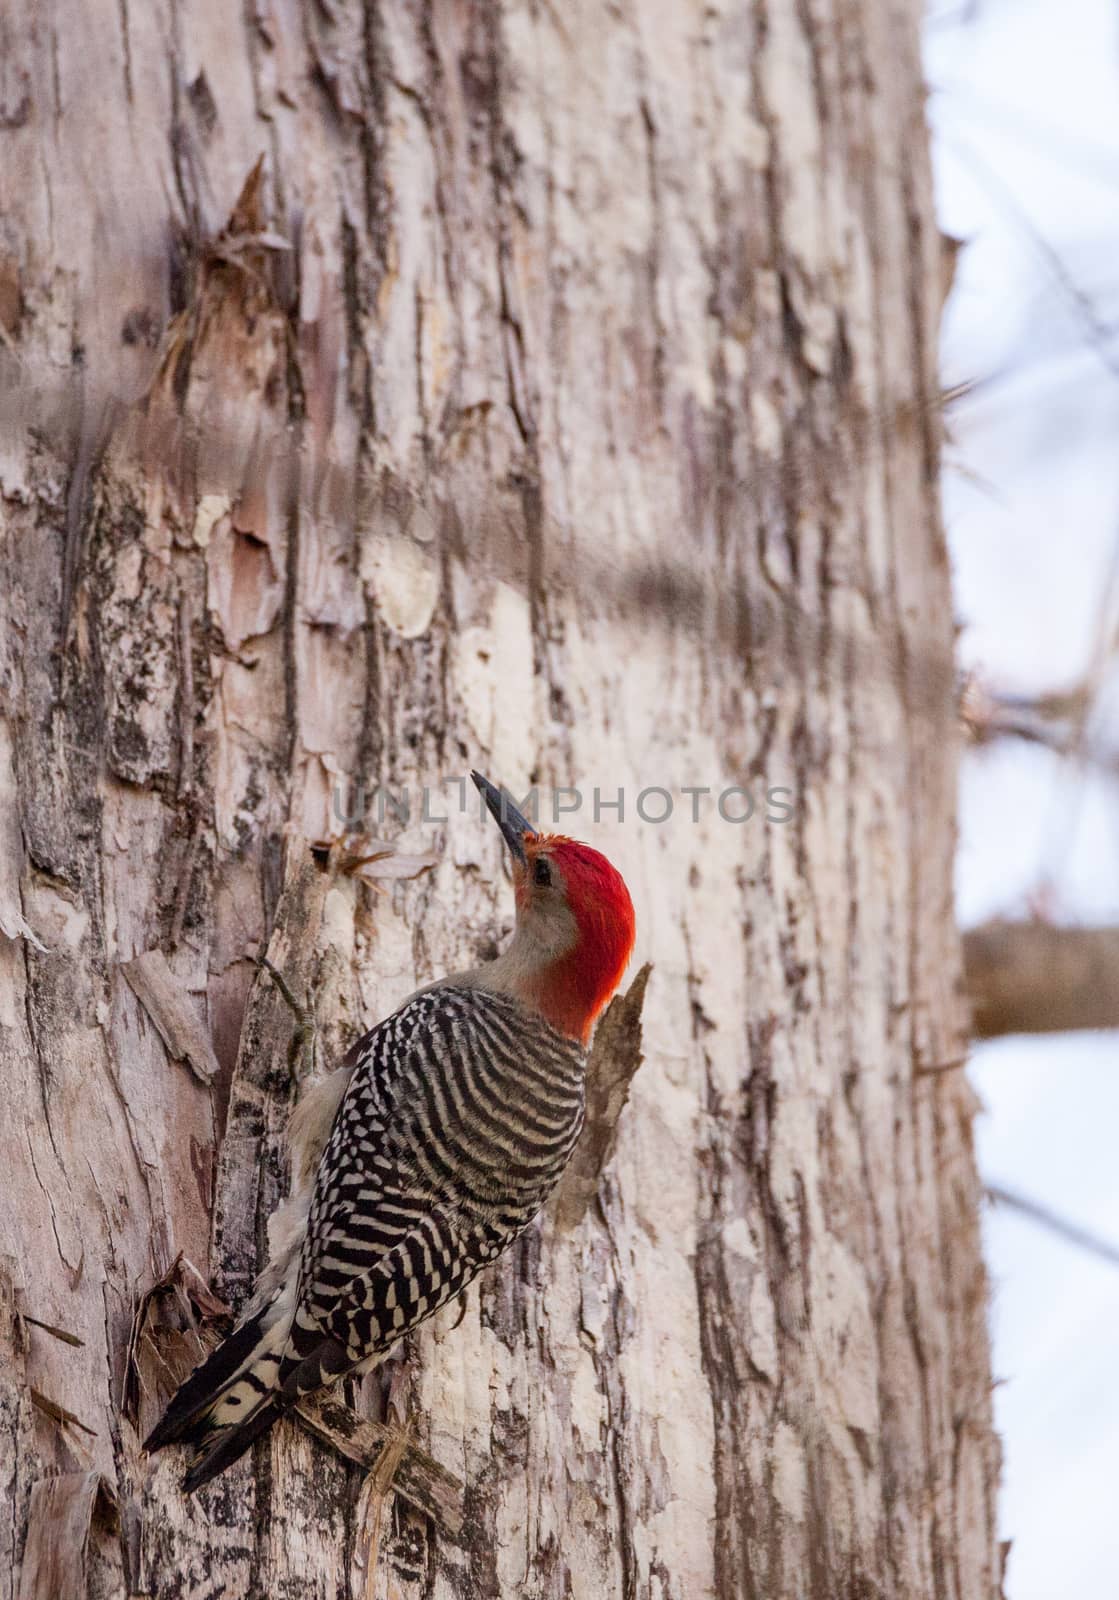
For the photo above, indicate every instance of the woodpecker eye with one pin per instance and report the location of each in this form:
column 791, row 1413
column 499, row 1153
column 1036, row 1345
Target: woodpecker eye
column 542, row 873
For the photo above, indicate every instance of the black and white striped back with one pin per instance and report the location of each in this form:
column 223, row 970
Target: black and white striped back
column 460, row 1117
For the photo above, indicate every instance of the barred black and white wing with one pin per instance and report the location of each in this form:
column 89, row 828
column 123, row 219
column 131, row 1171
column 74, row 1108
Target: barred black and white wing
column 454, row 1130
column 461, row 1113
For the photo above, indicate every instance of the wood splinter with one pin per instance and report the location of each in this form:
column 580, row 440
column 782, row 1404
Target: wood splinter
column 389, row 1453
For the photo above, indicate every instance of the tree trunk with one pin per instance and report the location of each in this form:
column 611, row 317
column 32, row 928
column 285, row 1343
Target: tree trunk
column 553, row 397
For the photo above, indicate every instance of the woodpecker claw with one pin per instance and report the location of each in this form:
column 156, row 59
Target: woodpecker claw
column 515, row 827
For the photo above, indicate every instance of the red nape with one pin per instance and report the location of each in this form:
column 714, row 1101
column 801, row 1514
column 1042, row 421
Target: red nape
column 580, row 984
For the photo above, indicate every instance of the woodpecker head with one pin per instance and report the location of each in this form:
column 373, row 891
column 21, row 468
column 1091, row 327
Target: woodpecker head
column 575, row 925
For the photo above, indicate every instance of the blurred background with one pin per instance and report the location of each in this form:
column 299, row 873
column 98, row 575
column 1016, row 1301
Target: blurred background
column 1024, row 109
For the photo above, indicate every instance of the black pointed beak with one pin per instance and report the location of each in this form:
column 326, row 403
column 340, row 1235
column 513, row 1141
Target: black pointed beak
column 515, row 827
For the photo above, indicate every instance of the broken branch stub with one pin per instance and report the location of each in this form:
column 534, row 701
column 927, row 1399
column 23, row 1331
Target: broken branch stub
column 614, row 1059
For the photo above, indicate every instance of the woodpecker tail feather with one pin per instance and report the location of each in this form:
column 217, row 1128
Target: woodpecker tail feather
column 233, row 1384
column 254, row 1413
column 231, row 1442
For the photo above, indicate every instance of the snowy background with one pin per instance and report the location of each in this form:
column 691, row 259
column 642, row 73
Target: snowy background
column 1024, row 108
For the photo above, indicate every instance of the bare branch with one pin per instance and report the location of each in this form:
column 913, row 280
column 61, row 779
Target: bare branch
column 1056, row 721
column 1028, row 977
column 1064, row 1230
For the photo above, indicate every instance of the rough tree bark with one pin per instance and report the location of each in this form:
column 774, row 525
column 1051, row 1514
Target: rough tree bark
column 553, row 397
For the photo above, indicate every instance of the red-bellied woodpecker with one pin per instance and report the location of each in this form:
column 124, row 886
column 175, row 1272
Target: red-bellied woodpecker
column 425, row 1154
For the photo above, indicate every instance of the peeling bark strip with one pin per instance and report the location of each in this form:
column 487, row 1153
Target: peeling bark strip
column 1029, row 977
column 177, row 1023
column 56, row 1557
column 553, row 396
column 173, row 1327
